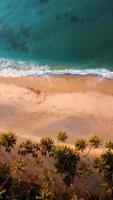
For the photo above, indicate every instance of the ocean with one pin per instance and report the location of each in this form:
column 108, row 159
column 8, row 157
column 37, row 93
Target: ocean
column 42, row 37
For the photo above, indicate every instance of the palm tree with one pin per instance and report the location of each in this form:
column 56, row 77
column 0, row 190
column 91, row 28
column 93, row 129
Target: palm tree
column 28, row 147
column 19, row 166
column 104, row 166
column 46, row 146
column 62, row 136
column 66, row 160
column 46, row 177
column 81, row 145
column 109, row 145
column 8, row 140
column 46, row 193
column 95, row 141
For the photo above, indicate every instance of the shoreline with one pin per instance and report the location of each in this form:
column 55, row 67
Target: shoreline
column 18, row 68
column 43, row 106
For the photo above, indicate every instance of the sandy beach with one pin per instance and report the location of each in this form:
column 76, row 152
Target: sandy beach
column 41, row 106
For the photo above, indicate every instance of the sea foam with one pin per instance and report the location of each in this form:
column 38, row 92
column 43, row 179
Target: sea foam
column 14, row 68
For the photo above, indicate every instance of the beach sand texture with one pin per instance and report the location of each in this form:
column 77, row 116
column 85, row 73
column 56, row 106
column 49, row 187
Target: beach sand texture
column 42, row 106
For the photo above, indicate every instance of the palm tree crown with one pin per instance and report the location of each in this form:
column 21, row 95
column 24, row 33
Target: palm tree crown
column 95, row 141
column 19, row 166
column 46, row 145
column 62, row 136
column 66, row 161
column 81, row 144
column 8, row 140
column 28, row 147
column 109, row 145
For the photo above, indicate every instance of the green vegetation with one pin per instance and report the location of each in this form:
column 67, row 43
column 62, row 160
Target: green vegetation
column 62, row 136
column 8, row 140
column 81, row 145
column 44, row 170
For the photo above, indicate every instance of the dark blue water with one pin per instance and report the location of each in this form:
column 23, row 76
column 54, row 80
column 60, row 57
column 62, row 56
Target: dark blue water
column 64, row 34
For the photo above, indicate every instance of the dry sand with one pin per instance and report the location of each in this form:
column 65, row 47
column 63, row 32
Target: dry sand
column 42, row 106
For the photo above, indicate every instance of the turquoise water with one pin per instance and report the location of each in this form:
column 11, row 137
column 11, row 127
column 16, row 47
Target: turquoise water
column 62, row 34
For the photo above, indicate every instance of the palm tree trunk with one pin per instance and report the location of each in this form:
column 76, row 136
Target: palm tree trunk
column 87, row 153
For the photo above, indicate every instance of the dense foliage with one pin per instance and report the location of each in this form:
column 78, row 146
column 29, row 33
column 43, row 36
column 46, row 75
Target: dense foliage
column 46, row 170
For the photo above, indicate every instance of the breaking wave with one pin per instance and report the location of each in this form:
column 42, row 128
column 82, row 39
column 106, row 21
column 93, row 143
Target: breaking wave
column 14, row 68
